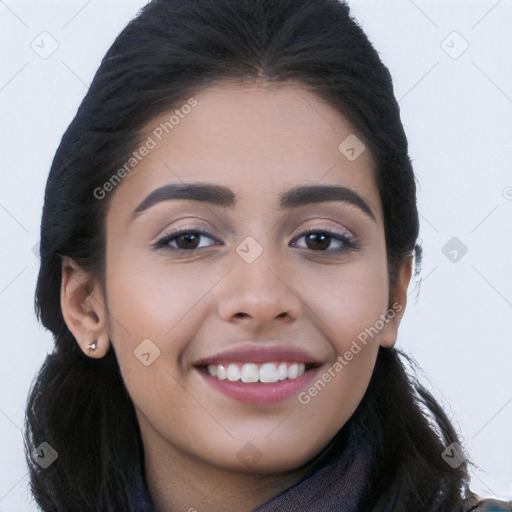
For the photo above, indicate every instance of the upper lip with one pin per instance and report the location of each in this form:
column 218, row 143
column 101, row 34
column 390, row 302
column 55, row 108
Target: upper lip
column 257, row 353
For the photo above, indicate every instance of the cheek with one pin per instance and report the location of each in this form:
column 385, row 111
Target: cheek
column 348, row 302
column 350, row 319
column 153, row 300
column 353, row 306
column 348, row 306
column 156, row 302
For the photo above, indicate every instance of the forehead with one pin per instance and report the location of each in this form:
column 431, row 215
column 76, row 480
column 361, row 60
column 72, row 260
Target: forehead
column 258, row 140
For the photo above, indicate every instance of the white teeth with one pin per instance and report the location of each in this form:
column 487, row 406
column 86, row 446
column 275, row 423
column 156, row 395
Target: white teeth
column 221, row 372
column 292, row 372
column 252, row 372
column 268, row 373
column 249, row 373
column 281, row 371
column 233, row 372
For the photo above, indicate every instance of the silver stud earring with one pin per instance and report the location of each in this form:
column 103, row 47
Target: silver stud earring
column 91, row 346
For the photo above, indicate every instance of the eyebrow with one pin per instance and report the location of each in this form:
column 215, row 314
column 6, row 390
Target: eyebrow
column 223, row 196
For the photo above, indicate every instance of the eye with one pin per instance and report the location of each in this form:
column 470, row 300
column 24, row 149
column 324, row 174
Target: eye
column 186, row 239
column 321, row 240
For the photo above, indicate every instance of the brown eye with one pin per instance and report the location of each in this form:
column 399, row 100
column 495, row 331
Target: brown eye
column 322, row 240
column 184, row 240
column 188, row 241
column 318, row 241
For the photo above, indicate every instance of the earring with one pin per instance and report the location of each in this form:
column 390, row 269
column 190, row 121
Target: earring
column 93, row 345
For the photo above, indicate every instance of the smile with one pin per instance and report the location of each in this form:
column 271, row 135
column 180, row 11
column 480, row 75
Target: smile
column 253, row 383
column 253, row 372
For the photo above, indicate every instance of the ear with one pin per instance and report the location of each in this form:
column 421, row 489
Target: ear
column 84, row 308
column 397, row 303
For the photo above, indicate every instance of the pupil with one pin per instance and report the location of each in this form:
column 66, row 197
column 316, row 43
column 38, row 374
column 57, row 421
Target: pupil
column 313, row 237
column 189, row 239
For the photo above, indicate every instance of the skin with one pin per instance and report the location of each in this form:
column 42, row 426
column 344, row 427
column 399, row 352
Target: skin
column 260, row 141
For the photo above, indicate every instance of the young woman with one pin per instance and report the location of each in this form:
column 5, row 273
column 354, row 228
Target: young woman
column 227, row 239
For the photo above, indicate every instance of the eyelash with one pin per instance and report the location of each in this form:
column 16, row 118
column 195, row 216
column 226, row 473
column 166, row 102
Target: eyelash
column 348, row 242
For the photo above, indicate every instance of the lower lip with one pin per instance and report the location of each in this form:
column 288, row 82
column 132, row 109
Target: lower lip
column 260, row 392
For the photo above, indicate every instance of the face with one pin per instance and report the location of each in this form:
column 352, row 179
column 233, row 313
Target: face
column 243, row 291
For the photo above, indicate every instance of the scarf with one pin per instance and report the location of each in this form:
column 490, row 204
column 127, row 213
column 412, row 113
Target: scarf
column 337, row 481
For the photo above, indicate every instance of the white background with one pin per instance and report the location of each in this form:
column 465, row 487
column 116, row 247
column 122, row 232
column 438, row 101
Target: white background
column 457, row 113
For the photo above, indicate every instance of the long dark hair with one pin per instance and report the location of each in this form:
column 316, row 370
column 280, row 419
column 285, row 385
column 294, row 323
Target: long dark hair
column 172, row 50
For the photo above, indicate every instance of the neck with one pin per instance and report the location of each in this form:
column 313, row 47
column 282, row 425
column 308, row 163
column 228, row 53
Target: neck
column 178, row 482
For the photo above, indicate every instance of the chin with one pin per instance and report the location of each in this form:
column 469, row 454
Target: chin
column 267, row 457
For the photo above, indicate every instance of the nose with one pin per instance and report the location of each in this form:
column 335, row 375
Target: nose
column 259, row 292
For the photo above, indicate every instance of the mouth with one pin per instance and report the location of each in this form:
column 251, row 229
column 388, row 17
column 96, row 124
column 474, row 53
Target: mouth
column 268, row 372
column 258, row 373
column 258, row 383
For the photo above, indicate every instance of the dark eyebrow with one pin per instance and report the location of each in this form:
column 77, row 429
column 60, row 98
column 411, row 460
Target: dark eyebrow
column 317, row 194
column 223, row 196
column 204, row 192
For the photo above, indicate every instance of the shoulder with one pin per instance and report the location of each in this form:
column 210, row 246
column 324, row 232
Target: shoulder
column 489, row 505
